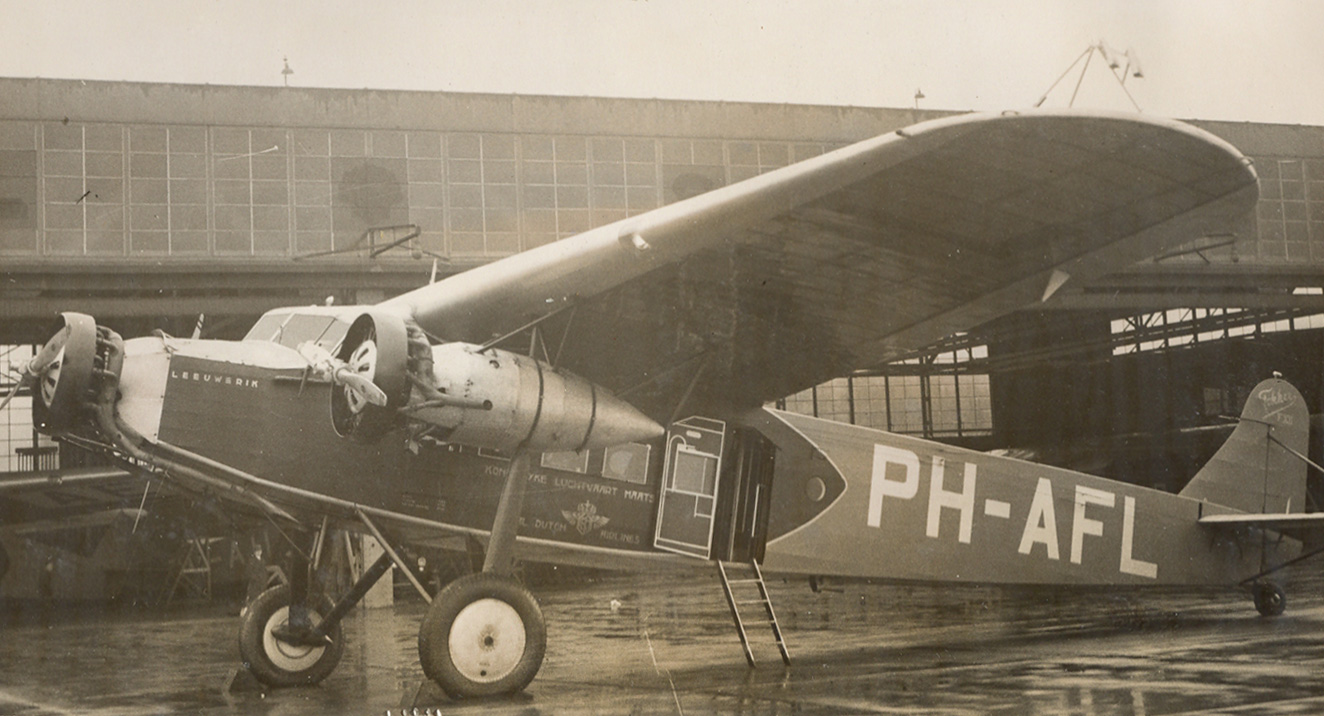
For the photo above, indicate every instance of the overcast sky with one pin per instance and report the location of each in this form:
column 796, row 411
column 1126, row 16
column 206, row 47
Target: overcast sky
column 1205, row 59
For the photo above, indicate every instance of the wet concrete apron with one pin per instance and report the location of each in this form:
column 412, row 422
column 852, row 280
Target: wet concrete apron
column 665, row 644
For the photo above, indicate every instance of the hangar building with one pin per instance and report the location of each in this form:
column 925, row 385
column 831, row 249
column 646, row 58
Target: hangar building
column 147, row 205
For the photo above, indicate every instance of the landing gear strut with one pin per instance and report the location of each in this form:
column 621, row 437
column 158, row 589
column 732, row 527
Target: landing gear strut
column 484, row 634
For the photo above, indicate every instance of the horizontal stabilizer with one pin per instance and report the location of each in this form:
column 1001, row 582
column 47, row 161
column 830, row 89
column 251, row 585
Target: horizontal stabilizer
column 1291, row 524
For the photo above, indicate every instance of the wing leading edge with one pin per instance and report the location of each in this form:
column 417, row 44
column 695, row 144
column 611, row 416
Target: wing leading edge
column 771, row 285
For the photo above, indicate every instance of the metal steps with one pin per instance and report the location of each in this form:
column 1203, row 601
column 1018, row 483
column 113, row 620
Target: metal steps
column 735, row 603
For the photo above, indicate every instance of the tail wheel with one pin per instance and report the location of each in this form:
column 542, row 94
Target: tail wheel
column 376, row 348
column 277, row 663
column 484, row 635
column 65, row 378
column 1270, row 599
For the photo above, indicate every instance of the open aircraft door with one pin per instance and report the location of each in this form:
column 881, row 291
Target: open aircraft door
column 688, row 503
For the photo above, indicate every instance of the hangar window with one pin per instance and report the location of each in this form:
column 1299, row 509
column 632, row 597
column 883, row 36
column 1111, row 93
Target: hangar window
column 483, row 214
column 18, row 187
column 748, row 159
column 1180, row 327
column 1289, row 219
column 22, row 449
column 934, row 397
column 624, row 178
column 554, row 188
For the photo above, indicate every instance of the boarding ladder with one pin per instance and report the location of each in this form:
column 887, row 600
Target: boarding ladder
column 735, row 601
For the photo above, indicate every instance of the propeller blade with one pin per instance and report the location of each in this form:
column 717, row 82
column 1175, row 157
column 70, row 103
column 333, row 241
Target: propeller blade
column 12, row 393
column 49, row 351
column 362, row 386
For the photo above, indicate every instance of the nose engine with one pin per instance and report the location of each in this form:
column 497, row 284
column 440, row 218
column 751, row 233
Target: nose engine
column 473, row 395
column 62, row 374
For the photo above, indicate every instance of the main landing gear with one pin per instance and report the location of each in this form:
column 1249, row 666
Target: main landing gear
column 484, row 634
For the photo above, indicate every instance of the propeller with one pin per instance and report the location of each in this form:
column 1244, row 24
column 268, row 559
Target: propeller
column 45, row 365
column 355, row 375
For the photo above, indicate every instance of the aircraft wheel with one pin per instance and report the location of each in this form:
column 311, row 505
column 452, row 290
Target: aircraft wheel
column 274, row 662
column 484, row 635
column 1270, row 599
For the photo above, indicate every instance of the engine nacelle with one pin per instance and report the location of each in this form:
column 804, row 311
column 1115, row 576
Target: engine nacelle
column 501, row 400
column 488, row 398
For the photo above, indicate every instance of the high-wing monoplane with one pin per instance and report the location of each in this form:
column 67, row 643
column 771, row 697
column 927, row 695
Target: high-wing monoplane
column 600, row 400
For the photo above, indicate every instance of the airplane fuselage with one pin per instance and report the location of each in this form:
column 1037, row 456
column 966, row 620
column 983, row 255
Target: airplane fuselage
column 808, row 496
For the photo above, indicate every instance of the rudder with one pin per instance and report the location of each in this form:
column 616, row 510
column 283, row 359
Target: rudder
column 1256, row 470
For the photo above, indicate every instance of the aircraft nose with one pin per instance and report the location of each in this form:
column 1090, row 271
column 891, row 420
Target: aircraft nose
column 61, row 373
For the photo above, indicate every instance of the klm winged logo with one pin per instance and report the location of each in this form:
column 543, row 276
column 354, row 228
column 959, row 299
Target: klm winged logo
column 585, row 518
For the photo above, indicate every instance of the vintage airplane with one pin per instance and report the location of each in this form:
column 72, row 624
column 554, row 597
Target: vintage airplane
column 418, row 420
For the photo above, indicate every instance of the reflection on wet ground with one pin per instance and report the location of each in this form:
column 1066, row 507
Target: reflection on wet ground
column 666, row 644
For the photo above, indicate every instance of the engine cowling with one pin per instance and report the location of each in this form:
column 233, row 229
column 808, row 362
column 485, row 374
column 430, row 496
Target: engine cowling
column 506, row 401
column 481, row 397
column 376, row 348
column 62, row 370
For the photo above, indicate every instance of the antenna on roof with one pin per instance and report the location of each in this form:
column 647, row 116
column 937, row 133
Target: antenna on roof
column 1115, row 68
column 287, row 72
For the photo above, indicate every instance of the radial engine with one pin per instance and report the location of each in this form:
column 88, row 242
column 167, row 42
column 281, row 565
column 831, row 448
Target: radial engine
column 472, row 395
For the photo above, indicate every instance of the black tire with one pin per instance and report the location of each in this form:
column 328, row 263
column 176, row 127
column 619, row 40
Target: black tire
column 484, row 635
column 383, row 339
column 61, row 390
column 276, row 663
column 1270, row 599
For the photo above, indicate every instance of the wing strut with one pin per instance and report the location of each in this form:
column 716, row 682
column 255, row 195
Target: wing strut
column 395, row 557
column 1297, row 454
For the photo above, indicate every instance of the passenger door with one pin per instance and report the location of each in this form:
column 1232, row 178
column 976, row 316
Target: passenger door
column 688, row 500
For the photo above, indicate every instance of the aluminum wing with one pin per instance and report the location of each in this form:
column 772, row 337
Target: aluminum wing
column 774, row 284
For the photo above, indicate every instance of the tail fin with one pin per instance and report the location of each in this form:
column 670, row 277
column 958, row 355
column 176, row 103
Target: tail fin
column 1256, row 470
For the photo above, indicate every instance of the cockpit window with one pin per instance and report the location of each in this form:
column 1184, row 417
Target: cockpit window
column 303, row 328
column 294, row 329
column 266, row 327
column 333, row 335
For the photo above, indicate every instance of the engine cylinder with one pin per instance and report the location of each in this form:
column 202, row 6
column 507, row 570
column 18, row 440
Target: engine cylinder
column 532, row 405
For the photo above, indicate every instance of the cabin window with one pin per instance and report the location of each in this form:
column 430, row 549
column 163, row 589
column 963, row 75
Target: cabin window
column 627, row 463
column 567, row 461
column 695, row 473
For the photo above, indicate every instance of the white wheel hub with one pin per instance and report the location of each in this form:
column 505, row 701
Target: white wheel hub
column 486, row 640
column 289, row 657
